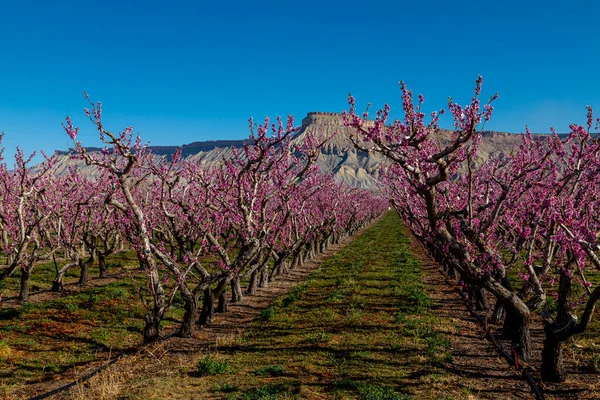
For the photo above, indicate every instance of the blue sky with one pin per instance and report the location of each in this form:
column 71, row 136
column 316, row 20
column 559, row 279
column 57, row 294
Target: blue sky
column 186, row 71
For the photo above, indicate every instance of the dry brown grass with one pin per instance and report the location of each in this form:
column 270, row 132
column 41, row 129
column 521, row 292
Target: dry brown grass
column 227, row 340
column 107, row 385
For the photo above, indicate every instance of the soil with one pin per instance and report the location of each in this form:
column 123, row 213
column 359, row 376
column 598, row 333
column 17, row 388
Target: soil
column 490, row 377
column 478, row 358
column 474, row 358
column 175, row 350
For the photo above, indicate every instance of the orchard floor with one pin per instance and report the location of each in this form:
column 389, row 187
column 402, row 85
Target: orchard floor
column 365, row 320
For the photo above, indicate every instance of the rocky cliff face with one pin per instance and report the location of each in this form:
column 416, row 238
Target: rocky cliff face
column 338, row 157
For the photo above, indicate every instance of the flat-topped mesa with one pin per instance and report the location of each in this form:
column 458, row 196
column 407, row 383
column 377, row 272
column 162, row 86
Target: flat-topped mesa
column 494, row 134
column 325, row 118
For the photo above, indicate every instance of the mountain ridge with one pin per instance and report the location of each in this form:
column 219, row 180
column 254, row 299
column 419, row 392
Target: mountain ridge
column 338, row 155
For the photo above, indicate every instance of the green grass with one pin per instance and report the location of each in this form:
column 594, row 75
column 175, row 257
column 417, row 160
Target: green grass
column 45, row 272
column 54, row 336
column 267, row 314
column 361, row 327
column 271, row 370
column 73, row 328
column 212, row 365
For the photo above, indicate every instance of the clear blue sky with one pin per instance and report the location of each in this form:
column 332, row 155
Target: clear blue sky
column 187, row 71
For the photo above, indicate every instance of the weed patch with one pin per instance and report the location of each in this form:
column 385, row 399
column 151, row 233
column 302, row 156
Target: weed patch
column 211, row 365
column 294, row 295
column 5, row 350
column 267, row 314
column 271, row 370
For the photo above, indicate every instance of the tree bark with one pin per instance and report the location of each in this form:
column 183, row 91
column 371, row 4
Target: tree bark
column 253, row 284
column 151, row 329
column 236, row 290
column 102, row 265
column 190, row 315
column 263, row 281
column 207, row 308
column 285, row 267
column 223, row 306
column 481, row 300
column 276, row 271
column 517, row 319
column 516, row 329
column 498, row 314
column 500, row 308
column 557, row 333
column 25, row 280
column 553, row 369
column 294, row 263
column 57, row 285
column 84, row 276
column 452, row 273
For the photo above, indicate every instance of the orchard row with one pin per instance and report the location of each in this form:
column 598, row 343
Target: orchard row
column 198, row 230
column 532, row 214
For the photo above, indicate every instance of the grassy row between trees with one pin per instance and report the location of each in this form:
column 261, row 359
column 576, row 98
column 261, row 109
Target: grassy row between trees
column 360, row 327
column 355, row 329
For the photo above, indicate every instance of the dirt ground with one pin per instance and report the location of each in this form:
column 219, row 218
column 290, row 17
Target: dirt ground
column 474, row 358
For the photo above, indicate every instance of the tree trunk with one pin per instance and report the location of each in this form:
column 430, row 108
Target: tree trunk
column 253, row 284
column 263, row 281
column 25, row 279
column 511, row 325
column 516, row 329
column 452, row 272
column 102, row 265
column 498, row 314
column 222, row 306
column 276, row 269
column 553, row 369
column 84, row 276
column 57, row 285
column 207, row 308
column 294, row 263
column 190, row 315
column 523, row 343
column 500, row 310
column 336, row 239
column 151, row 329
column 236, row 290
column 285, row 267
column 481, row 300
column 517, row 321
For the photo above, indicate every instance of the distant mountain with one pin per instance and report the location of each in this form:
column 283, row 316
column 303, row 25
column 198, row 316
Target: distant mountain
column 186, row 149
column 338, row 156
